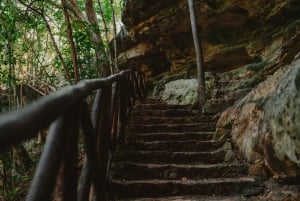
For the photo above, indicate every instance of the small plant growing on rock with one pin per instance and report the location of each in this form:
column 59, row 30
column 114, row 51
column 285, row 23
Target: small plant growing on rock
column 257, row 66
column 227, row 124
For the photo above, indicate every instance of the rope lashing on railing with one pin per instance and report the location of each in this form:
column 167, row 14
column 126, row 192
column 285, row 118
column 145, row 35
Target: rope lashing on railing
column 68, row 113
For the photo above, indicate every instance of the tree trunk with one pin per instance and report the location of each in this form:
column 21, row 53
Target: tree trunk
column 116, row 67
column 199, row 56
column 97, row 40
column 71, row 42
column 106, row 35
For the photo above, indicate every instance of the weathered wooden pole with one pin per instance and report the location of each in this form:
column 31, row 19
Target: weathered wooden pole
column 199, row 55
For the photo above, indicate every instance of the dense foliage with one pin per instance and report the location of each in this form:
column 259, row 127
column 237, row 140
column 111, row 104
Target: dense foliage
column 45, row 45
column 34, row 40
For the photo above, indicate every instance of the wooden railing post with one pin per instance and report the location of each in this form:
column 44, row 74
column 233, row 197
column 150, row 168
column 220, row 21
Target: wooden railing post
column 137, row 89
column 130, row 89
column 123, row 109
column 97, row 110
column 89, row 171
column 103, row 140
column 66, row 188
column 142, row 84
column 43, row 183
column 115, row 113
column 90, row 127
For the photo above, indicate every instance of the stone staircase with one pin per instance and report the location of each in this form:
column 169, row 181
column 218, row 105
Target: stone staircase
column 171, row 153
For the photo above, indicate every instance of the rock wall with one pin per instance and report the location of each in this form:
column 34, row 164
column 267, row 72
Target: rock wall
column 265, row 124
column 158, row 38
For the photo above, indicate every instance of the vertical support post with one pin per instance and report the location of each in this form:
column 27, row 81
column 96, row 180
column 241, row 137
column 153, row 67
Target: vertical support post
column 103, row 140
column 89, row 171
column 96, row 116
column 131, row 90
column 66, row 188
column 142, row 87
column 115, row 112
column 137, row 92
column 43, row 183
column 128, row 88
column 123, row 108
column 97, row 110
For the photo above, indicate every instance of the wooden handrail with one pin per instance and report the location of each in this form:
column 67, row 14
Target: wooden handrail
column 68, row 113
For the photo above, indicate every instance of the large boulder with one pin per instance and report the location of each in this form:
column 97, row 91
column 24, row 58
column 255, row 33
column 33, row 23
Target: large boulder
column 265, row 124
column 281, row 126
column 180, row 92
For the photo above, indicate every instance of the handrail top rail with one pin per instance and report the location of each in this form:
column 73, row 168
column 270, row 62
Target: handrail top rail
column 16, row 126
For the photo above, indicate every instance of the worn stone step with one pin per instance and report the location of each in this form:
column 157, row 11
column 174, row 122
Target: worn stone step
column 149, row 101
column 166, row 113
column 139, row 128
column 141, row 119
column 165, row 157
column 157, row 188
column 204, row 136
column 140, row 171
column 186, row 145
column 196, row 198
column 159, row 106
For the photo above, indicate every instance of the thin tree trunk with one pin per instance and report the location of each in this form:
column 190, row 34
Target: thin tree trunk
column 71, row 42
column 96, row 38
column 11, row 84
column 114, row 35
column 199, row 55
column 106, row 35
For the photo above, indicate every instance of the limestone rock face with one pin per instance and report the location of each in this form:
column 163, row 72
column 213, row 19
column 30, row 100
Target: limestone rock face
column 265, row 123
column 281, row 125
column 158, row 37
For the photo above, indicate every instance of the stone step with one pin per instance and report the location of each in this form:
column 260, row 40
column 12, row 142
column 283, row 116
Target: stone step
column 149, row 101
column 165, row 157
column 167, row 113
column 170, row 151
column 245, row 186
column 140, row 128
column 186, row 145
column 141, row 119
column 140, row 171
column 204, row 136
column 159, row 106
column 196, row 198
